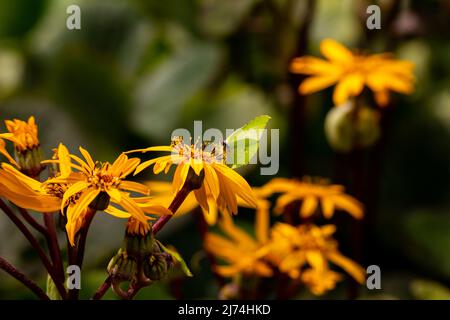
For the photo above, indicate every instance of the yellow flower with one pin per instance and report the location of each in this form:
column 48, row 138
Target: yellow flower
column 242, row 253
column 352, row 71
column 330, row 197
column 221, row 187
column 102, row 182
column 23, row 134
column 164, row 195
column 293, row 248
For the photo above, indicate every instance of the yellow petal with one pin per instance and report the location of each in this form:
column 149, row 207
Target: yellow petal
column 115, row 194
column 134, row 186
column 351, row 267
column 349, row 204
column 117, row 212
column 82, row 203
column 317, row 83
column 382, row 98
column 132, row 207
column 144, row 165
column 34, row 184
column 349, row 86
column 158, row 148
column 6, row 153
column 156, row 209
column 309, row 206
column 88, row 157
column 197, row 165
column 312, row 66
column 315, row 259
column 262, row 223
column 64, row 162
column 236, row 233
column 336, row 52
column 211, row 215
column 180, row 175
column 202, row 198
column 327, row 207
column 237, row 183
column 73, row 190
column 212, row 181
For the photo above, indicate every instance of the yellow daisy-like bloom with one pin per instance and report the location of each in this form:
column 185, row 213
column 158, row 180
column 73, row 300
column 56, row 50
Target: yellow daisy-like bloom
column 164, row 195
column 352, row 71
column 294, row 248
column 23, row 134
column 98, row 179
column 221, row 187
column 330, row 197
column 243, row 254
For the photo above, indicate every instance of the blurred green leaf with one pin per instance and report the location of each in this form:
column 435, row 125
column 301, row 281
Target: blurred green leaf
column 220, row 18
column 428, row 240
column 178, row 258
column 429, row 290
column 19, row 16
column 51, row 290
column 160, row 94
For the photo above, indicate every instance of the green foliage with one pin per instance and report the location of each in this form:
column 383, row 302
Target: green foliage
column 429, row 290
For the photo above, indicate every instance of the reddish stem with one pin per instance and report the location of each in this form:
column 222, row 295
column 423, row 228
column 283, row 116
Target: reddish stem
column 102, row 289
column 12, row 271
column 35, row 244
column 176, row 203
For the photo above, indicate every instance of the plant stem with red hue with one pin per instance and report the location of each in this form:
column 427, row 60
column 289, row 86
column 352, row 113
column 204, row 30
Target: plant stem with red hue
column 12, row 271
column 35, row 244
column 102, row 289
column 53, row 245
column 76, row 256
column 176, row 203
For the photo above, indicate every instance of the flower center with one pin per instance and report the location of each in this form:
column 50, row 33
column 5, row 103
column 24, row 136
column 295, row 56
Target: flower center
column 101, row 177
column 207, row 151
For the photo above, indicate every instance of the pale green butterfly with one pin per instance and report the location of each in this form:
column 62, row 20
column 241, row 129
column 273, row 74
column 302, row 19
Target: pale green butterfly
column 244, row 142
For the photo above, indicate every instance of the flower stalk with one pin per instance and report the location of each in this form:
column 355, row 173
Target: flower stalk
column 35, row 244
column 12, row 271
column 193, row 182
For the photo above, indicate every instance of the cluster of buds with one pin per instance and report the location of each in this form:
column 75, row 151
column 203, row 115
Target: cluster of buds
column 141, row 261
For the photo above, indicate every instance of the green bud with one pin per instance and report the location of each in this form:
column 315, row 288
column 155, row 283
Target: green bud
column 30, row 161
column 158, row 265
column 122, row 267
column 347, row 128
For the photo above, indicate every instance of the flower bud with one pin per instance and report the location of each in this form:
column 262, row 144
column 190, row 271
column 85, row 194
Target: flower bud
column 347, row 127
column 29, row 161
column 122, row 267
column 158, row 265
